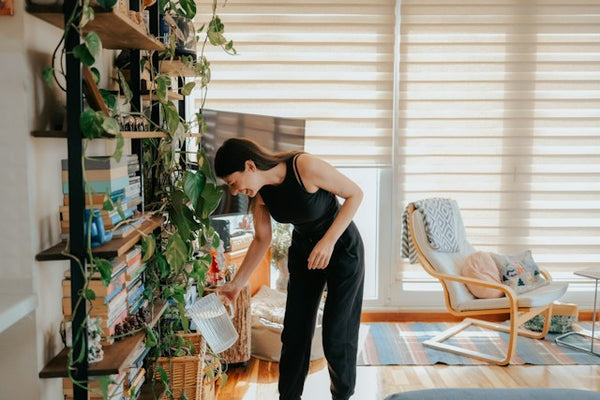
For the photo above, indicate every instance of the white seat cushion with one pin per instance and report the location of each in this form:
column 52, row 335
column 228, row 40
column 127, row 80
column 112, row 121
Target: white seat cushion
column 536, row 298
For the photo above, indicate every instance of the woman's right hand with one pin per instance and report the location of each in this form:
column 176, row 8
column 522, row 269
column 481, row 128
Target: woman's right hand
column 229, row 291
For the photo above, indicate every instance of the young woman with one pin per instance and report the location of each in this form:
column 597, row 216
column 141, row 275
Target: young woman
column 301, row 189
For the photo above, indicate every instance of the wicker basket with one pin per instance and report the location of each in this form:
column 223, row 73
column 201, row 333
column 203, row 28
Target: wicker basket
column 185, row 373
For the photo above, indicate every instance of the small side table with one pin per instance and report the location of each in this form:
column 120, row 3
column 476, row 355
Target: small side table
column 593, row 273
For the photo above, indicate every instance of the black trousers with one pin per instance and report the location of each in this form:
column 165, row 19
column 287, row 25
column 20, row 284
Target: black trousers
column 344, row 277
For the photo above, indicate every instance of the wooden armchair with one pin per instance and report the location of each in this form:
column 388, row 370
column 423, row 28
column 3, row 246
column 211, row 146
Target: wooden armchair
column 460, row 302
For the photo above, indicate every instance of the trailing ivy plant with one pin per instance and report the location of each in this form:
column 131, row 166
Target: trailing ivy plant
column 184, row 197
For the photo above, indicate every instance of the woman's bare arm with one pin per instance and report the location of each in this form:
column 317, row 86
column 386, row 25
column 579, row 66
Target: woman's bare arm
column 255, row 253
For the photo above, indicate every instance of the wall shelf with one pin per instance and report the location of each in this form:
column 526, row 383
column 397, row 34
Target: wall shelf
column 111, row 249
column 115, row 358
column 176, row 68
column 13, row 307
column 125, row 134
column 116, row 30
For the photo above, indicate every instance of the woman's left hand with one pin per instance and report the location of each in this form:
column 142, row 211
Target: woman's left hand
column 320, row 254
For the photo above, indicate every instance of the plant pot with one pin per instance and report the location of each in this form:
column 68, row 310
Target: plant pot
column 283, row 274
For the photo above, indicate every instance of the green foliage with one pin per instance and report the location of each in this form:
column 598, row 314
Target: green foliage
column 48, row 76
column 107, row 4
column 105, row 268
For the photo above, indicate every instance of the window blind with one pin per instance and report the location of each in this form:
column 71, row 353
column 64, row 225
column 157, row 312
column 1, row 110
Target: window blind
column 329, row 62
column 499, row 108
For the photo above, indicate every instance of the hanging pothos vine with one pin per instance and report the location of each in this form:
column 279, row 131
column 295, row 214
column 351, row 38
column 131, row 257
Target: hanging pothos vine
column 184, row 197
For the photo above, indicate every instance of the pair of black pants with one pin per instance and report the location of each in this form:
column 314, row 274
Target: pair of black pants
column 344, row 277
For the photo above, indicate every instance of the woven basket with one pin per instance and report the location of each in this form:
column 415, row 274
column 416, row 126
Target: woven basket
column 185, row 373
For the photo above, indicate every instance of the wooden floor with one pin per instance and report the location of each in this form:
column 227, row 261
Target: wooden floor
column 259, row 379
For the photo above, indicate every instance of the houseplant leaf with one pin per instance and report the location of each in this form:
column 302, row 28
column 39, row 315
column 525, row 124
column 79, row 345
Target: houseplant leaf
column 193, row 186
column 176, row 252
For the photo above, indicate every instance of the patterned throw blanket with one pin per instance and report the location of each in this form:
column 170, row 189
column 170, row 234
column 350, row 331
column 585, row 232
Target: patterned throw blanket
column 440, row 217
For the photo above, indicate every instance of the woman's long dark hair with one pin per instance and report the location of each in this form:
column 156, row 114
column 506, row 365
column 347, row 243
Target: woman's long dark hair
column 233, row 154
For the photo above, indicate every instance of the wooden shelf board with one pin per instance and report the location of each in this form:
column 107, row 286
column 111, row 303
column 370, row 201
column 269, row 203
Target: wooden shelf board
column 116, row 30
column 174, row 96
column 143, row 134
column 115, row 355
column 176, row 68
column 125, row 134
column 111, row 249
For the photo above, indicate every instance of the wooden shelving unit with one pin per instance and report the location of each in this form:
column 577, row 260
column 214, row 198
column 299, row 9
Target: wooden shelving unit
column 111, row 249
column 116, row 355
column 116, row 30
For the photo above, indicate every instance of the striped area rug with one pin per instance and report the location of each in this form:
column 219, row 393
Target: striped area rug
column 401, row 344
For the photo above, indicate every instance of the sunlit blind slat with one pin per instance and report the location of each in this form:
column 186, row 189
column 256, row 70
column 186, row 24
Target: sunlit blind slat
column 328, row 62
column 499, row 109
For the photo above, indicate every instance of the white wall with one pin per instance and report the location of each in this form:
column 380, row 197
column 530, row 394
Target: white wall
column 31, row 195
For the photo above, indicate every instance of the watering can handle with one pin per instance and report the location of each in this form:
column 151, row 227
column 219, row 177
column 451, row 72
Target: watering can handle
column 231, row 310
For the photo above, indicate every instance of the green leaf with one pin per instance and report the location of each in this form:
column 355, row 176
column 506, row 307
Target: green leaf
column 110, row 125
column 162, row 265
column 152, row 340
column 162, row 84
column 105, row 382
column 95, row 74
column 107, row 4
column 205, row 165
column 193, row 186
column 182, row 216
column 187, row 88
column 89, row 294
column 148, row 247
column 108, row 203
column 93, row 43
column 83, row 54
column 212, row 195
column 118, row 153
column 172, row 117
column 216, row 241
column 199, row 269
column 48, row 76
column 125, row 88
column 176, row 252
column 184, row 320
column 110, row 100
column 90, row 123
column 188, row 7
column 87, row 14
column 105, row 268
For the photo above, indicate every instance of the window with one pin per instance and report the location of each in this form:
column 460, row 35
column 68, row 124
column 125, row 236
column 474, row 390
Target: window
column 499, row 110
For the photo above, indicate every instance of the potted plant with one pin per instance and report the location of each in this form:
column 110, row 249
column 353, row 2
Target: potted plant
column 282, row 239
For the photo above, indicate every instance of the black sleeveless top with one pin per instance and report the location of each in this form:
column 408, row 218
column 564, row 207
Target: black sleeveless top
column 289, row 202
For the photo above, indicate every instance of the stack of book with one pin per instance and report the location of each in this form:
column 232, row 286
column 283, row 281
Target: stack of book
column 116, row 389
column 110, row 304
column 136, row 374
column 133, row 279
column 105, row 177
column 133, row 191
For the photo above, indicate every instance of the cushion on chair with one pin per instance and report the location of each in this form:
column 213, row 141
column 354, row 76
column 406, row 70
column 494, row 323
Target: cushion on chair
column 539, row 297
column 480, row 265
column 519, row 272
